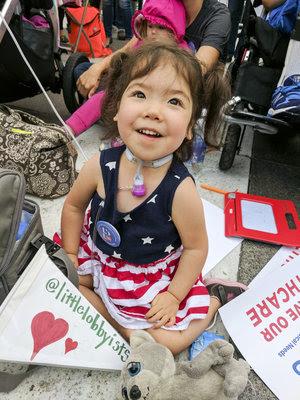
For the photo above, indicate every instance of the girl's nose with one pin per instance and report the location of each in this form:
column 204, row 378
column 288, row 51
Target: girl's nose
column 152, row 111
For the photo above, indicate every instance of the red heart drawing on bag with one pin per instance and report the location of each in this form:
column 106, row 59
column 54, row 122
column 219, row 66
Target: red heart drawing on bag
column 70, row 345
column 45, row 329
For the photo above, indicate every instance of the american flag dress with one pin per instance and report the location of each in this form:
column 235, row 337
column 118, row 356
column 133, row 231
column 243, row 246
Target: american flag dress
column 125, row 283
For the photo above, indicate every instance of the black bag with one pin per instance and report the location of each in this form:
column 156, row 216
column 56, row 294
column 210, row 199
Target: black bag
column 16, row 252
column 271, row 43
column 17, row 80
column 256, row 84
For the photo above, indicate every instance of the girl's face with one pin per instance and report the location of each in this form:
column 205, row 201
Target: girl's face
column 154, row 114
column 159, row 33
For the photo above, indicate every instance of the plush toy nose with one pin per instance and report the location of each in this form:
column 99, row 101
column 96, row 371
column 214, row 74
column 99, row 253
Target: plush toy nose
column 135, row 392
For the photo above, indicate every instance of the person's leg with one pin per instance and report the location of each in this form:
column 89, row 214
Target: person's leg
column 118, row 19
column 177, row 341
column 235, row 8
column 86, row 288
column 108, row 17
column 126, row 10
column 221, row 292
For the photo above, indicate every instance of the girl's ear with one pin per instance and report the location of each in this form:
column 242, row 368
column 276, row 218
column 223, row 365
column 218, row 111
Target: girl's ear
column 115, row 118
column 189, row 134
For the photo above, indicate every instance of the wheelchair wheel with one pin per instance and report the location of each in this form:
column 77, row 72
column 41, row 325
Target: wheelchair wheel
column 230, row 146
column 72, row 97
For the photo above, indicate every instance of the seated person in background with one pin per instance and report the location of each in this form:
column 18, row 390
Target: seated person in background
column 151, row 24
column 207, row 30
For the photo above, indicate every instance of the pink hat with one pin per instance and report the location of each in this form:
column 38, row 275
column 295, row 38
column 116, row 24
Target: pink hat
column 167, row 13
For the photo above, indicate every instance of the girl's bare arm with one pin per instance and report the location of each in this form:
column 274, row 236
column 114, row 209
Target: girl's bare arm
column 76, row 203
column 188, row 216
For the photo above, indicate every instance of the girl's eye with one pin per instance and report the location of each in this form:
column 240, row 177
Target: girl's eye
column 175, row 102
column 139, row 95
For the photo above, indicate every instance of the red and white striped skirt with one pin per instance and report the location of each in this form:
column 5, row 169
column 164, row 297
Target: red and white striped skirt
column 128, row 289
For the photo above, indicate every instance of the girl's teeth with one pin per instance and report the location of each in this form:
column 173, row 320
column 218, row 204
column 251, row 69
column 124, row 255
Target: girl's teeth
column 147, row 132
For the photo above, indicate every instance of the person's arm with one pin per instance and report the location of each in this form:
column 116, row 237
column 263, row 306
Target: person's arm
column 188, row 216
column 75, row 206
column 208, row 57
column 270, row 4
column 88, row 82
column 87, row 114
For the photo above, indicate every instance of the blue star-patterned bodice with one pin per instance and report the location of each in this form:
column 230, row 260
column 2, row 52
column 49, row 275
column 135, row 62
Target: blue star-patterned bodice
column 147, row 232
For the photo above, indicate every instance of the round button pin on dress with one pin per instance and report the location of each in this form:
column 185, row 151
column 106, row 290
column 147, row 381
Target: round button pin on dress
column 108, row 233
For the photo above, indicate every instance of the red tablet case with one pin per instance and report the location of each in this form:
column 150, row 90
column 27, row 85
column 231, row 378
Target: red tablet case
column 284, row 212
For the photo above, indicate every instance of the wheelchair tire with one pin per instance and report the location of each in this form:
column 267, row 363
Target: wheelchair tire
column 230, row 146
column 72, row 97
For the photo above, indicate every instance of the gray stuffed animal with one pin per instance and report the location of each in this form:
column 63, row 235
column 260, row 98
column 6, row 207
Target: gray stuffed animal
column 152, row 374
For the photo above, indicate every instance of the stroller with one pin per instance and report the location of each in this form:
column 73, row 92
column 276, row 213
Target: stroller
column 261, row 60
column 35, row 25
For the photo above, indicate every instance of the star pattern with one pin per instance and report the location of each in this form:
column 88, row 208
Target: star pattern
column 146, row 230
column 111, row 165
column 152, row 200
column 169, row 248
column 147, row 240
column 127, row 218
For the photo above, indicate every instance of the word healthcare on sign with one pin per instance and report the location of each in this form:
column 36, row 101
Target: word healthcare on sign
column 264, row 323
column 46, row 320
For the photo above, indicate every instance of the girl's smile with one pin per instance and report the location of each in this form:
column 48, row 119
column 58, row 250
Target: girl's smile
column 154, row 114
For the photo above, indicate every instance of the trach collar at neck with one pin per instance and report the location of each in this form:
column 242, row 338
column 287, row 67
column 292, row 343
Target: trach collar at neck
column 139, row 188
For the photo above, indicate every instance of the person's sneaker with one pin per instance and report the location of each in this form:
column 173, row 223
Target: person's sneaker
column 286, row 98
column 224, row 290
column 121, row 34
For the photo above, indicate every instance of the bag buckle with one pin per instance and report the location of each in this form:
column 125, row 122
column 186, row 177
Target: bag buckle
column 51, row 247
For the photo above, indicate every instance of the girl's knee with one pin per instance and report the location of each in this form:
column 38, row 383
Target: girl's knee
column 175, row 341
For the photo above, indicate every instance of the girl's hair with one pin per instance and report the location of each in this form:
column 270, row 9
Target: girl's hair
column 209, row 93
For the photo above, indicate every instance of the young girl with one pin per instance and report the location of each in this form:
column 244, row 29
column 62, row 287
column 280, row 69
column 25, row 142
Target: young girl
column 157, row 21
column 141, row 247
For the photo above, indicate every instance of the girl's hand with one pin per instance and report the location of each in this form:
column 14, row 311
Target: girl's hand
column 163, row 310
column 74, row 259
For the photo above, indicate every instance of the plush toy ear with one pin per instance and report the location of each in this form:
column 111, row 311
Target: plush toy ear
column 139, row 337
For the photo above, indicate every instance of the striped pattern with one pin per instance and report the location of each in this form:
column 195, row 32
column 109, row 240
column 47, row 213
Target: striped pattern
column 127, row 290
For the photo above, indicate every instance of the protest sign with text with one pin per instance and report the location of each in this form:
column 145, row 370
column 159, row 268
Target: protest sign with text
column 264, row 323
column 46, row 320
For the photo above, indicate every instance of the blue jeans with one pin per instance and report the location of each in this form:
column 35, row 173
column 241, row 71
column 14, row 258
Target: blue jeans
column 121, row 11
column 80, row 69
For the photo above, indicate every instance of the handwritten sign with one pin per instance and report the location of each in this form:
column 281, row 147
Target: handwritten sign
column 46, row 320
column 268, row 315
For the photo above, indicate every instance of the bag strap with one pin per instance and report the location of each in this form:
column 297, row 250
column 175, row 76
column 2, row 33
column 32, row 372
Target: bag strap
column 59, row 257
column 9, row 382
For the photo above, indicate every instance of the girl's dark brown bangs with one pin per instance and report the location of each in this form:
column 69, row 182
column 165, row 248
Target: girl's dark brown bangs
column 149, row 62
